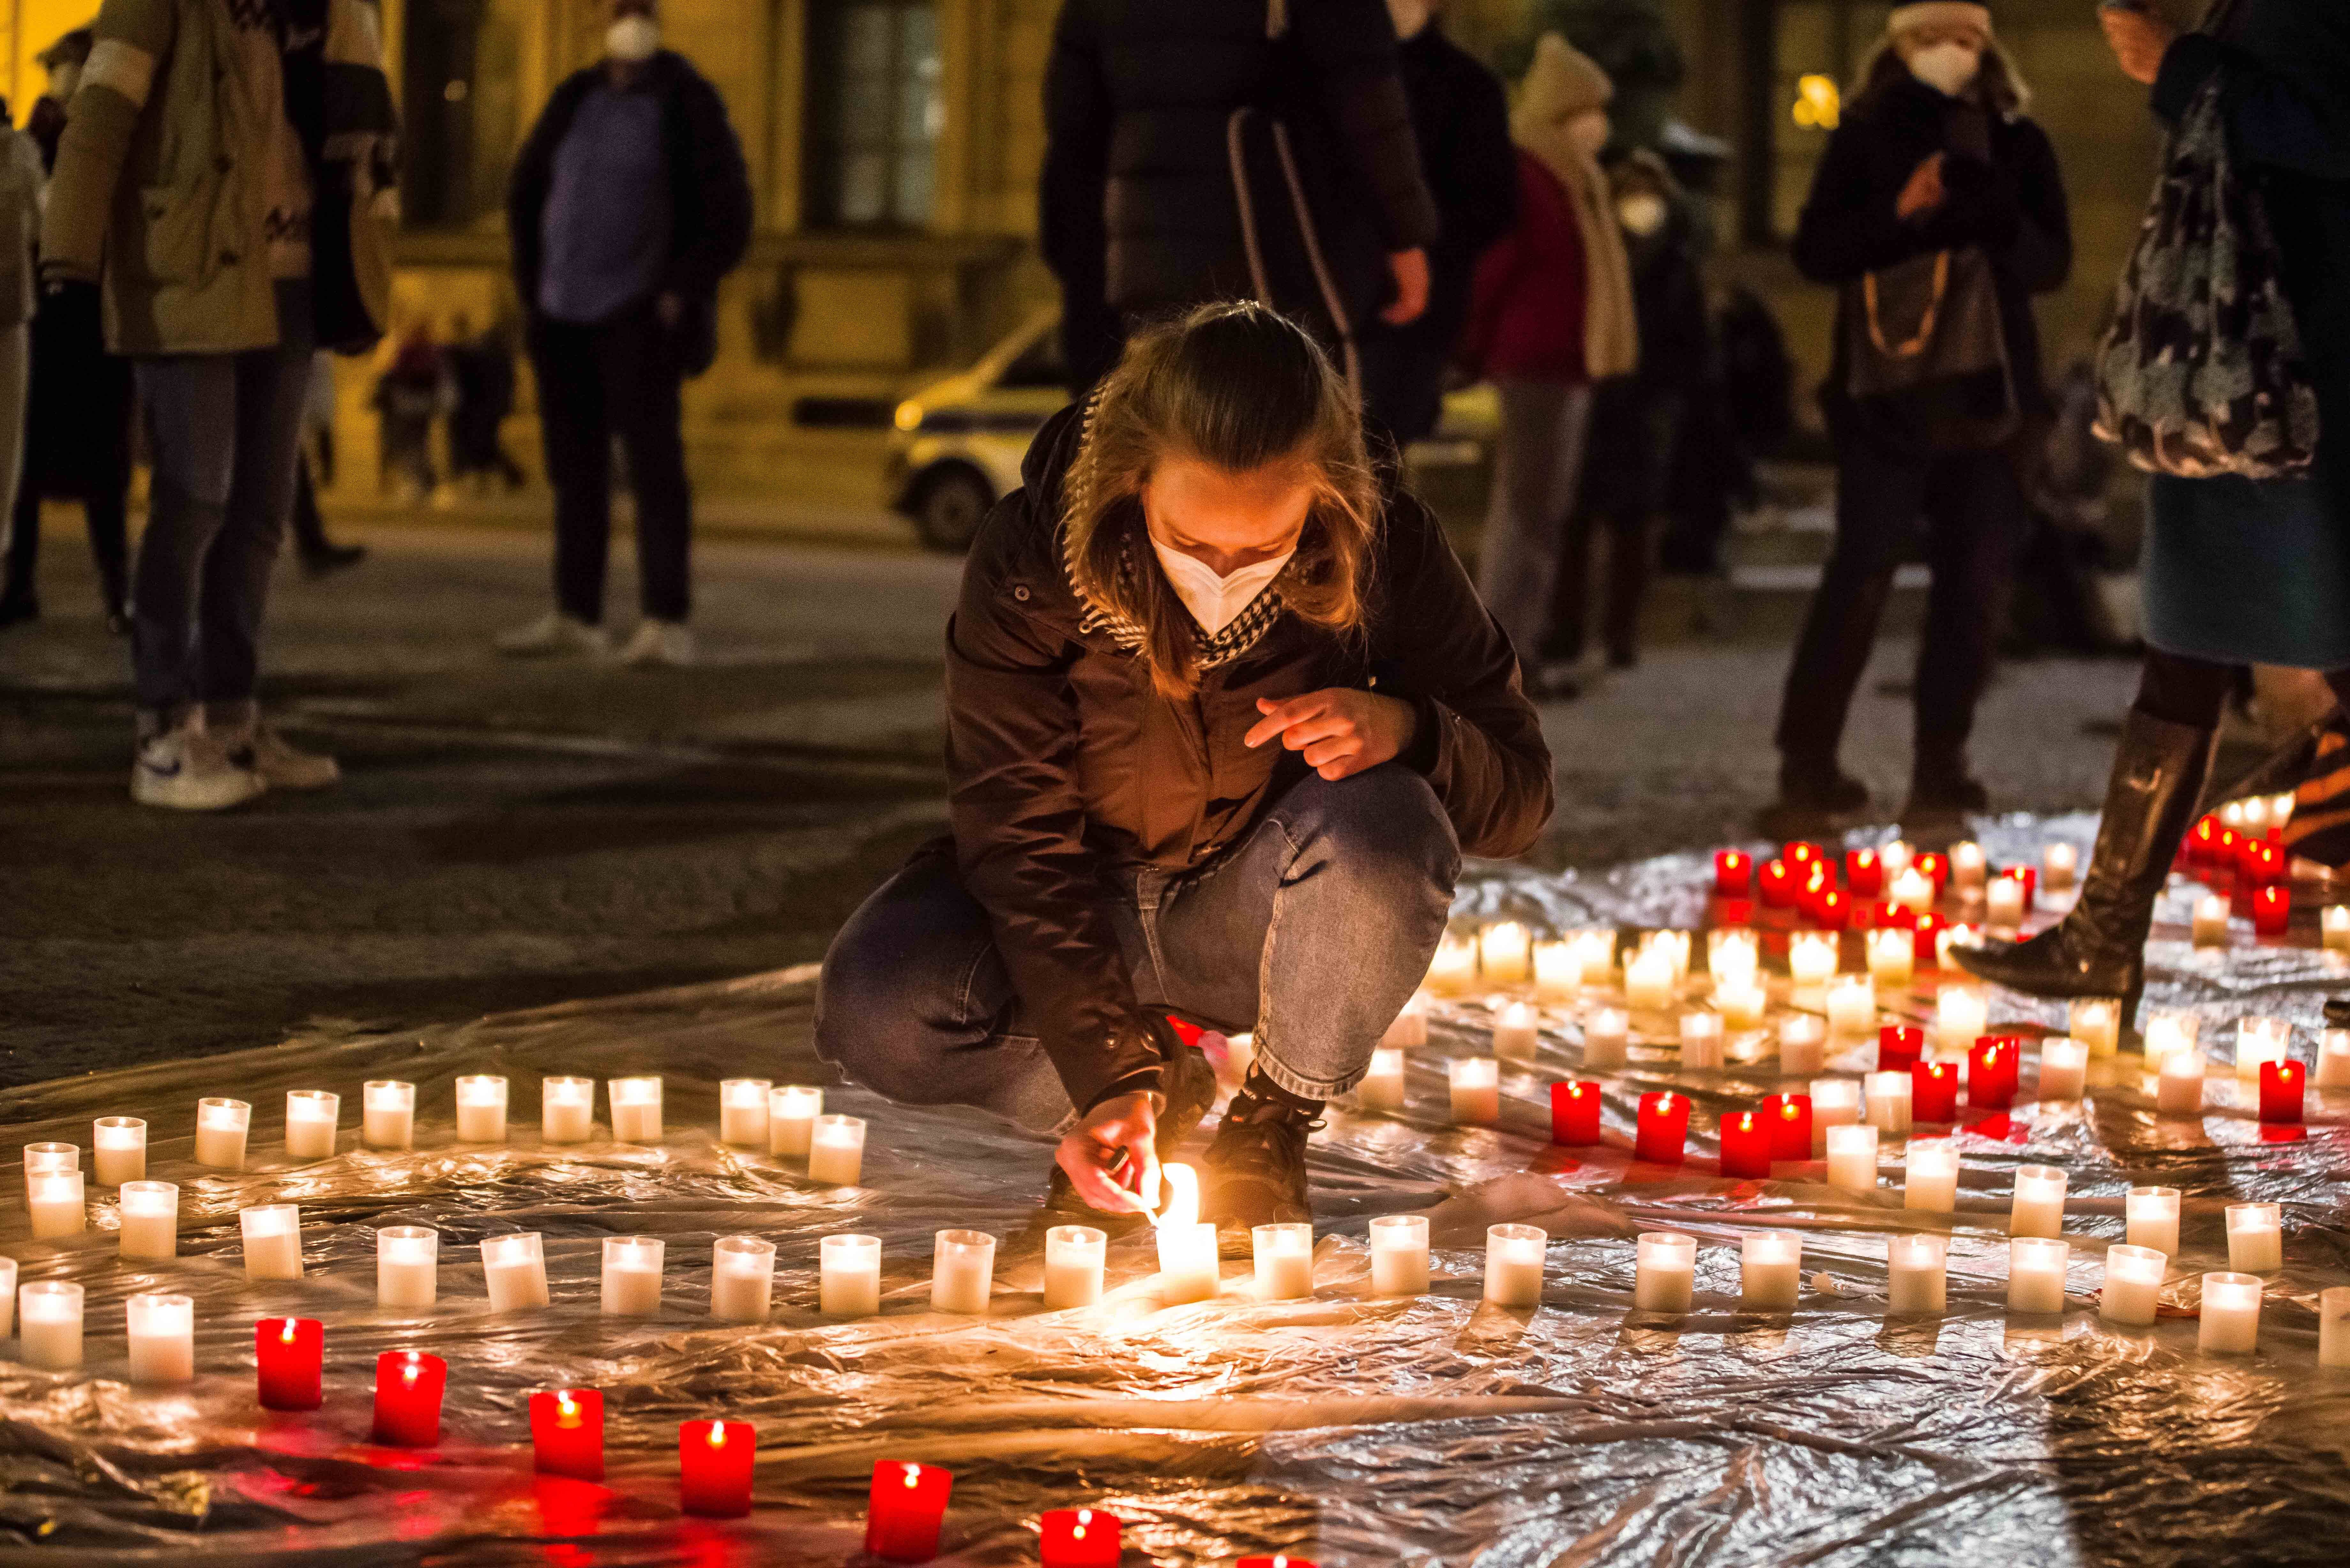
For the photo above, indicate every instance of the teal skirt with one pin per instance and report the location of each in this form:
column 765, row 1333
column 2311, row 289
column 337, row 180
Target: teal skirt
column 2240, row 571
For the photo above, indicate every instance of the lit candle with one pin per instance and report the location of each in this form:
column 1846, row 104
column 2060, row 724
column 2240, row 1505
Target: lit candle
column 310, row 1116
column 2334, row 1327
column 849, row 1279
column 1892, row 958
column 1935, row 868
column 1948, row 938
column 221, row 1126
column 1886, row 1096
column 1517, row 1033
column 1454, row 967
column 1284, row 1261
column 713, row 1466
column 1733, row 954
column 1926, row 939
column 1676, row 944
column 567, row 1433
column 1852, row 1157
column 1912, row 891
column 2004, row 903
column 41, row 1158
column 837, row 1151
column 1852, row 1006
column 1575, row 1107
column 1745, row 1146
column 1513, row 1264
column 2133, row 1285
column 1073, row 1266
column 2334, row 1059
column 2252, row 812
column 2178, row 1091
column 1607, row 1040
column 567, row 1110
column 1733, row 872
column 1831, row 910
column 2231, row 1315
column 1662, row 1128
column 1930, row 1180
column 1790, row 1119
column 48, row 1324
column 2038, row 1209
column 1770, row 1271
column 1916, row 1276
column 163, row 1330
column 2150, row 1219
column 1077, row 1538
column 2334, row 928
column 1187, row 1268
column 1961, row 1013
column 2280, row 808
column 2203, row 840
column 631, row 1283
column 273, row 1242
column 1399, row 1255
column 1742, row 1003
column 1701, row 1042
column 388, row 1115
column 1864, row 872
column 2282, row 1092
column 150, row 1220
column 2210, row 927
column 1409, row 1030
column 2259, row 1040
column 289, row 1358
column 1835, row 1102
column 1476, row 1082
column 118, row 1149
column 2255, row 1238
column 1993, row 1066
column 2169, row 1030
column 1777, row 882
column 1934, row 1091
column 1895, row 857
column 903, row 1511
column 2060, row 863
column 7, row 1297
column 2096, row 1023
column 1811, row 959
column 1649, row 979
column 1664, row 1277
column 1803, row 1045
column 55, row 1205
column 1382, row 1087
column 481, row 1108
column 743, row 1278
column 792, row 1111
column 2064, row 1069
column 636, row 1105
column 1967, row 864
column 1506, row 952
column 963, row 1270
column 2035, row 1274
column 409, row 1384
column 1597, row 946
column 513, row 1268
column 407, row 1266
column 2271, row 911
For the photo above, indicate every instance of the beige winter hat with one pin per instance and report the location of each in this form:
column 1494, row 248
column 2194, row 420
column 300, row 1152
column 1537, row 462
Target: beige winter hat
column 1939, row 14
column 1563, row 81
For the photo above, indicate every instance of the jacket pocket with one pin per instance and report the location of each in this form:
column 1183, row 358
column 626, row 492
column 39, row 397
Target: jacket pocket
column 176, row 223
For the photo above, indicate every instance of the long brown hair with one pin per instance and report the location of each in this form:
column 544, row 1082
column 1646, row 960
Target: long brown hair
column 1236, row 386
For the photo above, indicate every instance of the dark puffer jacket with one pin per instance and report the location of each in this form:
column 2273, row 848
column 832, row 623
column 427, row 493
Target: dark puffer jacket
column 1138, row 203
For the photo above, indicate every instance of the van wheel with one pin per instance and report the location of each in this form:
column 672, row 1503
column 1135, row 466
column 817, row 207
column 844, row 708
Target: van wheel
column 950, row 508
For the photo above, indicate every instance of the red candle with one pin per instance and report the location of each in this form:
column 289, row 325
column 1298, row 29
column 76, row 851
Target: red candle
column 1778, row 881
column 713, row 1467
column 567, row 1433
column 1800, row 854
column 904, row 1510
column 1935, row 868
column 2281, row 1091
column 1934, row 1091
column 1991, row 1068
column 289, row 1356
column 2030, row 876
column 2223, row 846
column 2271, row 911
column 1880, row 915
column 1277, row 1561
column 1575, row 1114
column 1663, row 1127
column 1078, row 1538
column 1830, row 911
column 2203, row 840
column 1790, row 1116
column 1898, row 1045
column 1746, row 1142
column 408, row 1388
column 1864, row 872
column 1928, row 953
column 1733, row 872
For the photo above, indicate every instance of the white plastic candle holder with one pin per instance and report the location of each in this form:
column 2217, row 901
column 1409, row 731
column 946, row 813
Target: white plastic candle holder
column 1409, row 1030
column 962, row 1272
column 118, row 1149
column 1961, row 1013
column 2038, row 1209
column 2035, row 1274
column 1930, row 1180
column 48, row 1324
column 1733, row 954
column 2179, row 1091
column 1917, row 1275
column 2096, row 1022
column 163, row 1334
column 636, row 1108
column 2133, row 1285
column 1968, row 864
column 1701, row 1042
column 1913, row 891
column 1505, row 953
column 2334, row 928
column 1811, row 959
column 1513, row 1264
column 1803, row 1045
column 2230, row 1315
column 2334, row 1327
column 513, row 1268
column 1073, row 1255
column 2169, row 1030
column 2255, row 1238
column 1676, row 946
column 1649, row 980
column 1517, row 1033
column 1284, row 1261
column 1892, row 958
column 273, row 1241
column 743, row 1112
column 1950, row 938
column 1453, row 969
column 8, row 1298
column 55, row 1205
column 567, row 1110
column 2150, row 1219
column 630, row 1281
column 1188, row 1266
column 2063, row 1070
column 150, row 1220
column 41, row 1158
column 407, row 1267
column 1399, row 1255
column 2004, row 903
column 2259, row 1040
column 837, row 1151
column 1607, row 1039
column 481, row 1108
column 1893, row 858
column 2060, row 866
column 1596, row 948
column 2333, row 1060
column 1743, row 1003
column 388, row 1114
column 1886, row 1096
column 222, row 1125
column 1770, row 1270
column 2209, row 928
column 1382, row 1088
column 1664, row 1272
column 1476, row 1084
column 1835, row 1102
column 743, row 1278
column 849, row 1280
column 311, row 1119
column 1852, row 1157
column 792, row 1111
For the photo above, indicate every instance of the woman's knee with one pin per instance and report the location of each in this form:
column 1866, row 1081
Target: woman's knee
column 1383, row 825
column 896, row 988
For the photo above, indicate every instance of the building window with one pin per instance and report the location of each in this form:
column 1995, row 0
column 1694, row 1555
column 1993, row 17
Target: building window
column 462, row 120
column 874, row 110
column 1798, row 54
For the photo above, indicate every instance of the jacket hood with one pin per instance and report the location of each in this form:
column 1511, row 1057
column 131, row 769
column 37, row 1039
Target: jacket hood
column 1045, row 472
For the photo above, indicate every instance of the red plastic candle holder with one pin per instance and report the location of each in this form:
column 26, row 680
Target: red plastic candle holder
column 1733, row 872
column 2202, row 839
column 1927, row 952
column 1574, row 1114
column 567, row 1433
column 1898, row 1045
column 1777, row 881
column 1788, row 1117
column 1864, row 872
column 1800, row 854
column 1746, row 1144
column 409, row 1384
column 1277, row 1561
column 2271, row 911
column 1880, row 915
column 289, row 1357
column 1078, row 1538
column 908, row 1504
column 1992, row 1067
column 2030, row 876
column 1663, row 1128
column 1831, row 910
column 2223, row 846
column 1934, row 1091
column 1935, row 867
column 2281, row 1092
column 713, row 1467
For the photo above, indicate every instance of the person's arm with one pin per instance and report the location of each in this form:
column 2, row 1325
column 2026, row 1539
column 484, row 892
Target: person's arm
column 527, row 192
column 1849, row 225
column 1351, row 48
column 132, row 40
column 2040, row 255
column 1482, row 166
column 720, row 184
column 2274, row 121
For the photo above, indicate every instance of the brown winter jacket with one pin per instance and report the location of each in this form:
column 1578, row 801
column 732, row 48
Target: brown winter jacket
column 1065, row 766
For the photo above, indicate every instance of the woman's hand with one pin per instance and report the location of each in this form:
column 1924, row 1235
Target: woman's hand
column 1409, row 270
column 1111, row 1156
column 1341, row 731
column 1924, row 191
column 2139, row 41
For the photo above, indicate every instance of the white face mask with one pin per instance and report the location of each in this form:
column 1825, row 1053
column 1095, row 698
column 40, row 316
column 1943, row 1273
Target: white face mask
column 1642, row 212
column 1408, row 16
column 1213, row 600
column 634, row 39
column 1949, row 68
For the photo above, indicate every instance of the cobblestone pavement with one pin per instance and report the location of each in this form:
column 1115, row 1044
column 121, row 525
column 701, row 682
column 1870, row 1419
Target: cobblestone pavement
column 515, row 833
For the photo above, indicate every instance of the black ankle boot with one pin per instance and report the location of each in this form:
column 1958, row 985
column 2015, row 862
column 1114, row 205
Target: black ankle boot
column 1256, row 1167
column 1941, row 788
column 2099, row 949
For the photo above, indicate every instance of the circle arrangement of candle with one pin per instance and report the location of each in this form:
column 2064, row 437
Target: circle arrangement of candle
column 743, row 1112
column 1187, row 1268
column 636, row 1105
column 388, row 1114
column 1382, row 1088
column 408, row 1386
column 162, row 1338
column 848, row 1277
column 513, row 1269
column 1073, row 1255
column 1513, row 1264
column 1930, row 1180
column 52, row 1204
column 407, row 1267
column 567, row 1433
column 273, row 1242
column 1517, row 1034
column 1917, row 1275
column 743, row 1278
column 2230, row 1315
column 567, row 1110
column 2132, row 1284
column 904, row 1510
column 1607, row 1039
column 310, row 1117
column 629, row 1284
column 150, row 1220
column 1770, row 1271
column 836, row 1150
column 1664, row 1272
column 1476, row 1084
column 1852, row 1157
column 48, row 1324
column 792, row 1111
column 963, row 1270
column 2255, row 1238
column 118, row 1147
column 1078, row 1538
column 221, row 1127
column 481, row 1108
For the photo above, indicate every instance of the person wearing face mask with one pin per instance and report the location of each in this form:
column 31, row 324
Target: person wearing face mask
column 629, row 203
column 1223, row 713
column 1552, row 313
column 1934, row 154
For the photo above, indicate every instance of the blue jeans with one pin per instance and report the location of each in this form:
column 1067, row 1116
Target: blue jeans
column 1313, row 931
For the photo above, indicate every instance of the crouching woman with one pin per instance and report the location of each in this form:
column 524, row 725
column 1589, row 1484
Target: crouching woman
column 1222, row 713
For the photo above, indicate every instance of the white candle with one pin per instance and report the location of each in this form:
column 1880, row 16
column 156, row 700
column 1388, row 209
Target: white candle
column 221, row 1126
column 1930, row 1179
column 1700, row 1042
column 273, row 1242
column 2004, row 903
column 2035, row 1274
column 407, row 1267
column 1382, row 1087
column 163, row 1330
column 388, row 1114
column 1852, row 1157
column 1803, row 1045
column 2064, row 1069
column 567, row 1110
column 1742, row 1003
column 2231, row 1315
column 55, row 1206
column 1399, row 1255
column 1664, row 1271
column 48, row 1326
column 2259, row 1040
column 1950, row 938
column 2281, row 807
column 792, row 1111
column 1770, row 1271
column 1852, row 1006
column 1734, row 955
column 1073, row 1266
column 2333, row 925
column 481, row 1108
column 2096, row 1023
column 1887, row 1096
column 7, row 1297
column 1649, row 980
column 1240, row 1051
column 2210, row 929
column 1598, row 947
column 636, row 1105
column 1409, row 1030
column 2333, row 1060
column 2255, row 1238
column 150, row 1220
column 1517, row 1033
column 2169, row 1030
column 118, row 1149
column 1607, row 1039
column 2334, row 1327
column 2251, row 812
column 849, row 1280
column 837, row 1151
column 2039, row 1205
column 1961, row 1013
column 1917, row 1275
column 42, row 1157
column 962, row 1272
column 2179, row 1090
column 1454, row 967
column 632, row 1278
column 1506, row 952
column 310, row 1117
column 1914, row 890
column 1513, row 1264
column 513, row 1268
column 1284, row 1261
column 1835, row 1102
column 2150, row 1219
column 1967, row 864
column 2133, row 1285
column 1187, row 1268
column 1892, row 958
column 1811, row 959
column 1476, row 1090
column 1896, row 858
column 1675, row 946
column 743, row 1112
column 2059, row 865
column 743, row 1278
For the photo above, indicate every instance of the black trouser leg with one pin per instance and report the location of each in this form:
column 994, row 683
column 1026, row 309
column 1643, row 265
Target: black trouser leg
column 1974, row 510
column 1570, row 604
column 106, row 511
column 643, row 388
column 20, row 569
column 1627, row 584
column 578, row 439
column 310, row 528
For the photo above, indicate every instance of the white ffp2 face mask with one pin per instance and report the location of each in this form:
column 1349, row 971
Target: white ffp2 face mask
column 1949, row 68
column 634, row 39
column 1213, row 600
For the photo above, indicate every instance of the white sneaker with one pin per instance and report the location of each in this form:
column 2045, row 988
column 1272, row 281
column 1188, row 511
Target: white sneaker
column 281, row 766
column 660, row 642
column 554, row 632
column 186, row 770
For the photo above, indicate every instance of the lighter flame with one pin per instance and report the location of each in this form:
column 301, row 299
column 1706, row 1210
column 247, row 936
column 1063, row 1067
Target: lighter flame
column 1183, row 1196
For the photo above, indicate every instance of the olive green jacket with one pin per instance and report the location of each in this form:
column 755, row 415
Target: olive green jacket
column 161, row 186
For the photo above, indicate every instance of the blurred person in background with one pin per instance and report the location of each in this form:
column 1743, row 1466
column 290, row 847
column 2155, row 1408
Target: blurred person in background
column 21, row 176
column 484, row 369
column 319, row 554
column 411, row 395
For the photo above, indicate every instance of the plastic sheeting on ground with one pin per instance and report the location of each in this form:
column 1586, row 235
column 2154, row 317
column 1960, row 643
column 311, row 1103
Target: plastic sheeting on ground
column 1351, row 1429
